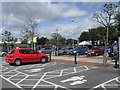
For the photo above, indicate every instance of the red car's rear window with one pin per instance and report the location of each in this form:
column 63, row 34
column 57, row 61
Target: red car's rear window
column 12, row 52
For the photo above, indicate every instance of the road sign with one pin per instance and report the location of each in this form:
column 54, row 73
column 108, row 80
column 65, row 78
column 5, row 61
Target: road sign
column 35, row 39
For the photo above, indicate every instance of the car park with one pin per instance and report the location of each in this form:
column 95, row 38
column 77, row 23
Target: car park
column 25, row 55
column 79, row 50
column 65, row 51
column 95, row 51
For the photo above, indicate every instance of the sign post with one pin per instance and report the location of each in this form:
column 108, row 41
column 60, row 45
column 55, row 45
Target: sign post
column 34, row 41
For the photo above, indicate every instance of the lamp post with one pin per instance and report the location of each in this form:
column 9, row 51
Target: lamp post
column 73, row 33
column 57, row 41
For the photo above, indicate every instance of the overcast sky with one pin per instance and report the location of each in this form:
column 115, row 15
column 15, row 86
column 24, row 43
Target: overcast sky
column 52, row 16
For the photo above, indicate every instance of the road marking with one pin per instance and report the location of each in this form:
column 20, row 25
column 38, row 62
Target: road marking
column 70, row 73
column 61, row 72
column 11, row 82
column 34, row 70
column 14, row 75
column 56, row 85
column 74, row 78
column 22, row 80
column 74, row 69
column 103, row 83
column 39, row 81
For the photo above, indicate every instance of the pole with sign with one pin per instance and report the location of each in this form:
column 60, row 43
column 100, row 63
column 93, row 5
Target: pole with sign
column 34, row 41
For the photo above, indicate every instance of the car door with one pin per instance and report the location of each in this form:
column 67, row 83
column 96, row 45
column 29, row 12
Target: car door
column 34, row 56
column 25, row 56
column 29, row 55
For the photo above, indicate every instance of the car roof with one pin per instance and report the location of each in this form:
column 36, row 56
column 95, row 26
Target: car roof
column 22, row 49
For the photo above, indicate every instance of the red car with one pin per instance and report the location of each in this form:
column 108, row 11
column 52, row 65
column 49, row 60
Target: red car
column 95, row 51
column 25, row 55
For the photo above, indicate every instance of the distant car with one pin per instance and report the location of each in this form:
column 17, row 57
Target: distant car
column 95, row 51
column 79, row 50
column 65, row 51
column 46, row 50
column 110, row 50
column 25, row 55
column 3, row 53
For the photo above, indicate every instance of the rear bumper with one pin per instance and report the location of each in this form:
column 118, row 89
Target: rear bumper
column 11, row 60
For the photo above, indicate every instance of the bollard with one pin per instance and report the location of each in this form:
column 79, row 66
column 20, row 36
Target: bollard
column 50, row 56
column 75, row 58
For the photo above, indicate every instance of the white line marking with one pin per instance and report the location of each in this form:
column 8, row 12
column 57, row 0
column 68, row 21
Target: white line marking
column 56, row 85
column 70, row 73
column 22, row 80
column 39, row 81
column 103, row 83
column 86, row 67
column 11, row 82
column 13, row 75
column 61, row 72
column 74, row 69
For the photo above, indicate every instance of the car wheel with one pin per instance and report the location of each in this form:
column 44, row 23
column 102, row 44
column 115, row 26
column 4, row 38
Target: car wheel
column 96, row 54
column 88, row 55
column 78, row 54
column 17, row 62
column 43, row 59
column 3, row 55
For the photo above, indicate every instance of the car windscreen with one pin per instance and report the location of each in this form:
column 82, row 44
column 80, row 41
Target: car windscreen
column 11, row 52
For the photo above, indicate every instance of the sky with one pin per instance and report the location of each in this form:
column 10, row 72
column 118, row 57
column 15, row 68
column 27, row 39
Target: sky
column 67, row 17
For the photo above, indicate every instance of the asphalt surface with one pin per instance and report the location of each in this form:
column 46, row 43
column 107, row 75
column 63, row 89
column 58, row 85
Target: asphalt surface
column 57, row 76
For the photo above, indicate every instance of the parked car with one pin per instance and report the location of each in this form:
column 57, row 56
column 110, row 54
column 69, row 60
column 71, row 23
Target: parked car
column 2, row 53
column 95, row 51
column 25, row 55
column 45, row 50
column 110, row 50
column 65, row 51
column 79, row 50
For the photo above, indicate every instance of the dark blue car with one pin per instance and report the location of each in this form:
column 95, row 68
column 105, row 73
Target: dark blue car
column 79, row 50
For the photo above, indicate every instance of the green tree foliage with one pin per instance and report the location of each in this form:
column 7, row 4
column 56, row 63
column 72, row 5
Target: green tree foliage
column 8, row 38
column 56, row 39
column 42, row 40
column 98, row 33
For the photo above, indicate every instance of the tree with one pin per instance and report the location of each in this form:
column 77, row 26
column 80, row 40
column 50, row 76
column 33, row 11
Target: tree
column 8, row 39
column 105, row 17
column 84, row 37
column 30, row 26
column 42, row 40
column 57, row 39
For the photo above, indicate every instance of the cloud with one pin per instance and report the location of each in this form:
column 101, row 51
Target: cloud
column 15, row 13
column 66, row 30
column 13, row 16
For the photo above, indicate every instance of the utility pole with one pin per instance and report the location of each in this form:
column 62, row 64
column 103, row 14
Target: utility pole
column 57, row 42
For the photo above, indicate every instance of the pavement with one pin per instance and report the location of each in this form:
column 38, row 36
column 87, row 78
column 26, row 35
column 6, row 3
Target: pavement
column 83, row 60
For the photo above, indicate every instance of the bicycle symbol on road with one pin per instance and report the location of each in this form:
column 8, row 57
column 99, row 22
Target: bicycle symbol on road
column 76, row 80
